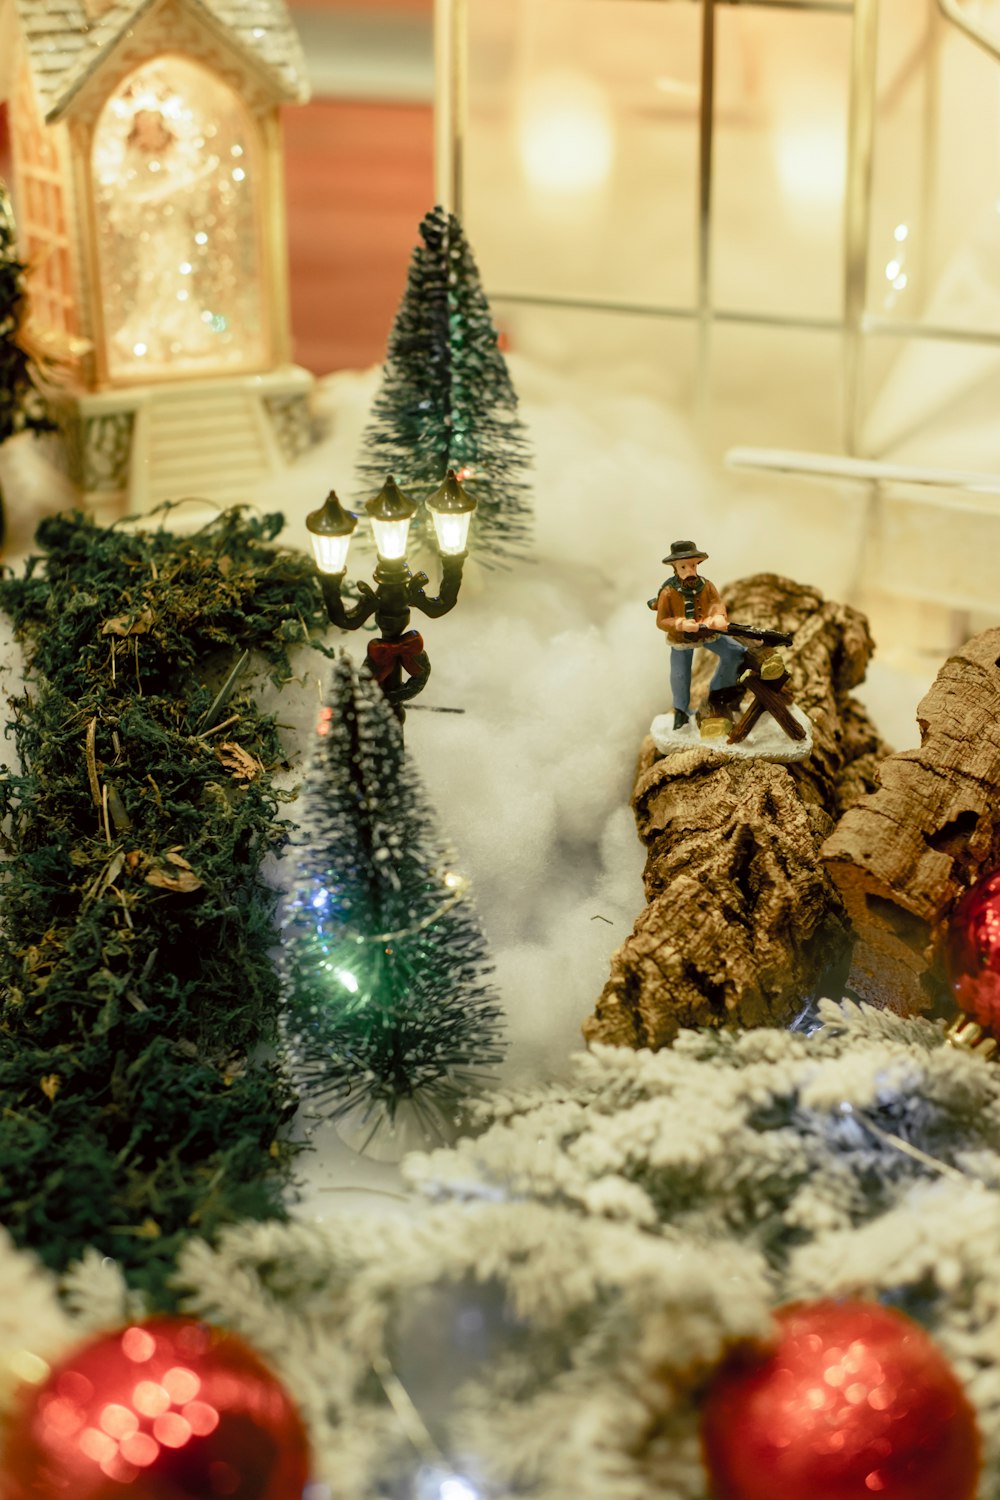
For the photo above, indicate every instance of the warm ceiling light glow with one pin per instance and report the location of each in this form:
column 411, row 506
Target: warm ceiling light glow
column 565, row 133
column 812, row 162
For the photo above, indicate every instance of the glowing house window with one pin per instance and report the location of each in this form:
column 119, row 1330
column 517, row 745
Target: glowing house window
column 176, row 181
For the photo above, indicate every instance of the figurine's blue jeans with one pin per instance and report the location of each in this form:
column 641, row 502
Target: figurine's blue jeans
column 730, row 654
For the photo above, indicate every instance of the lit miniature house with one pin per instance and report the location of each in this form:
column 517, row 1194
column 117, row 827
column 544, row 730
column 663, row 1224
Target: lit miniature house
column 149, row 194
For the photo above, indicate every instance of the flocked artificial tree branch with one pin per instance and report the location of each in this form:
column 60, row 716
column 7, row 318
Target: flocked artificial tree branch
column 557, row 1317
column 387, row 1000
column 446, row 400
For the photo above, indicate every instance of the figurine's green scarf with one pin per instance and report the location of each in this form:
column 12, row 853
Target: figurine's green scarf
column 689, row 589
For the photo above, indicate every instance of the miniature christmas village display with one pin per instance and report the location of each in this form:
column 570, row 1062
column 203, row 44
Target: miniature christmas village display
column 748, row 1245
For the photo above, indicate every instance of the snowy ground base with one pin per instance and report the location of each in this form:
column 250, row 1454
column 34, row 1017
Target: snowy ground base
column 766, row 740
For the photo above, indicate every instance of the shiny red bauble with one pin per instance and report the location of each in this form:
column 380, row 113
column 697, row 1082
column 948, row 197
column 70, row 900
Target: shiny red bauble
column 165, row 1410
column 852, row 1402
column 971, row 950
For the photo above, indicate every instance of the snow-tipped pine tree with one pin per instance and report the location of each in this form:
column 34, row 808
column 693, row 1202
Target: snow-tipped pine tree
column 446, row 400
column 385, row 969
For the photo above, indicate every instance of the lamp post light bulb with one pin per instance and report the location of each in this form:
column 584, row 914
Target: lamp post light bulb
column 452, row 534
column 454, row 1487
column 451, row 508
column 330, row 530
column 390, row 514
column 391, row 538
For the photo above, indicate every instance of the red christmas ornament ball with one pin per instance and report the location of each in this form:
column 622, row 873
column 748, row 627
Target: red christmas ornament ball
column 165, row 1410
column 852, row 1402
column 972, row 952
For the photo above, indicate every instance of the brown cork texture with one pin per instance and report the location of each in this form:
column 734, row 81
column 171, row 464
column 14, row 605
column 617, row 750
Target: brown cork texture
column 742, row 918
column 903, row 855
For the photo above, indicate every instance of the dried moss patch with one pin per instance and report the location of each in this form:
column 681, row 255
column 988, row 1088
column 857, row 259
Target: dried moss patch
column 137, row 1104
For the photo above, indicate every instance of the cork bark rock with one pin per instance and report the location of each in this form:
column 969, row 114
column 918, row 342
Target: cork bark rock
column 904, row 854
column 742, row 917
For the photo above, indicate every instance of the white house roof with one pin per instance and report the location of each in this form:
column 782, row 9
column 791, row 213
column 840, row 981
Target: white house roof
column 65, row 41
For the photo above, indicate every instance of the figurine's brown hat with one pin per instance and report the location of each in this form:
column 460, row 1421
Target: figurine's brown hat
column 681, row 550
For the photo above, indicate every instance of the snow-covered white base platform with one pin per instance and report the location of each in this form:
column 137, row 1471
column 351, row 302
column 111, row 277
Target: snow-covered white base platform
column 766, row 740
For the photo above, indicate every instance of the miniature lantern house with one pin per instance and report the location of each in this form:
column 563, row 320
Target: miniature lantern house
column 149, row 195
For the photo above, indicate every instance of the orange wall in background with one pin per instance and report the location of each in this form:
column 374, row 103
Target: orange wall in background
column 359, row 180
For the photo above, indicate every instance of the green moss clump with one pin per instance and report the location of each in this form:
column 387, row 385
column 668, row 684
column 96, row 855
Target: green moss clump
column 138, row 993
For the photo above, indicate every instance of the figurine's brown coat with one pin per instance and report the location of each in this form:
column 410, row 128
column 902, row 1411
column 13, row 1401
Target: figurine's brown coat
column 670, row 606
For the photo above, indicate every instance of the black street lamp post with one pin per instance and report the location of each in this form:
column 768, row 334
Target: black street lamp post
column 397, row 659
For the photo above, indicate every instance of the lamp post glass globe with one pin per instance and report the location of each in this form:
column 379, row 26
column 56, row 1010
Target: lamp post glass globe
column 451, row 509
column 390, row 514
column 330, row 530
column 390, row 538
column 330, row 553
column 452, row 532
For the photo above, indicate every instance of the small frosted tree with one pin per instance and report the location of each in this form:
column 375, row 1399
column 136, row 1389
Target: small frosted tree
column 446, row 400
column 21, row 405
column 384, row 965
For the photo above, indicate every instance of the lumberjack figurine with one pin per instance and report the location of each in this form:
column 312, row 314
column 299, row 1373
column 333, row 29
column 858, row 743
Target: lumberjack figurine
column 690, row 610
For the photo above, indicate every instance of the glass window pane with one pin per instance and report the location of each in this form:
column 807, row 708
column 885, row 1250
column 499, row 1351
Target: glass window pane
column 780, row 159
column 626, row 353
column 581, row 155
column 935, row 241
column 776, row 387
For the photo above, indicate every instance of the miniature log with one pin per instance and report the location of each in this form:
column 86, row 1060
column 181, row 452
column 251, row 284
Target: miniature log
column 904, row 854
column 742, row 918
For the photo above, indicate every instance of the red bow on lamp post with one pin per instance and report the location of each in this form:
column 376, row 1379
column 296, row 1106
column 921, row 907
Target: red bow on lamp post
column 407, row 653
column 399, row 652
